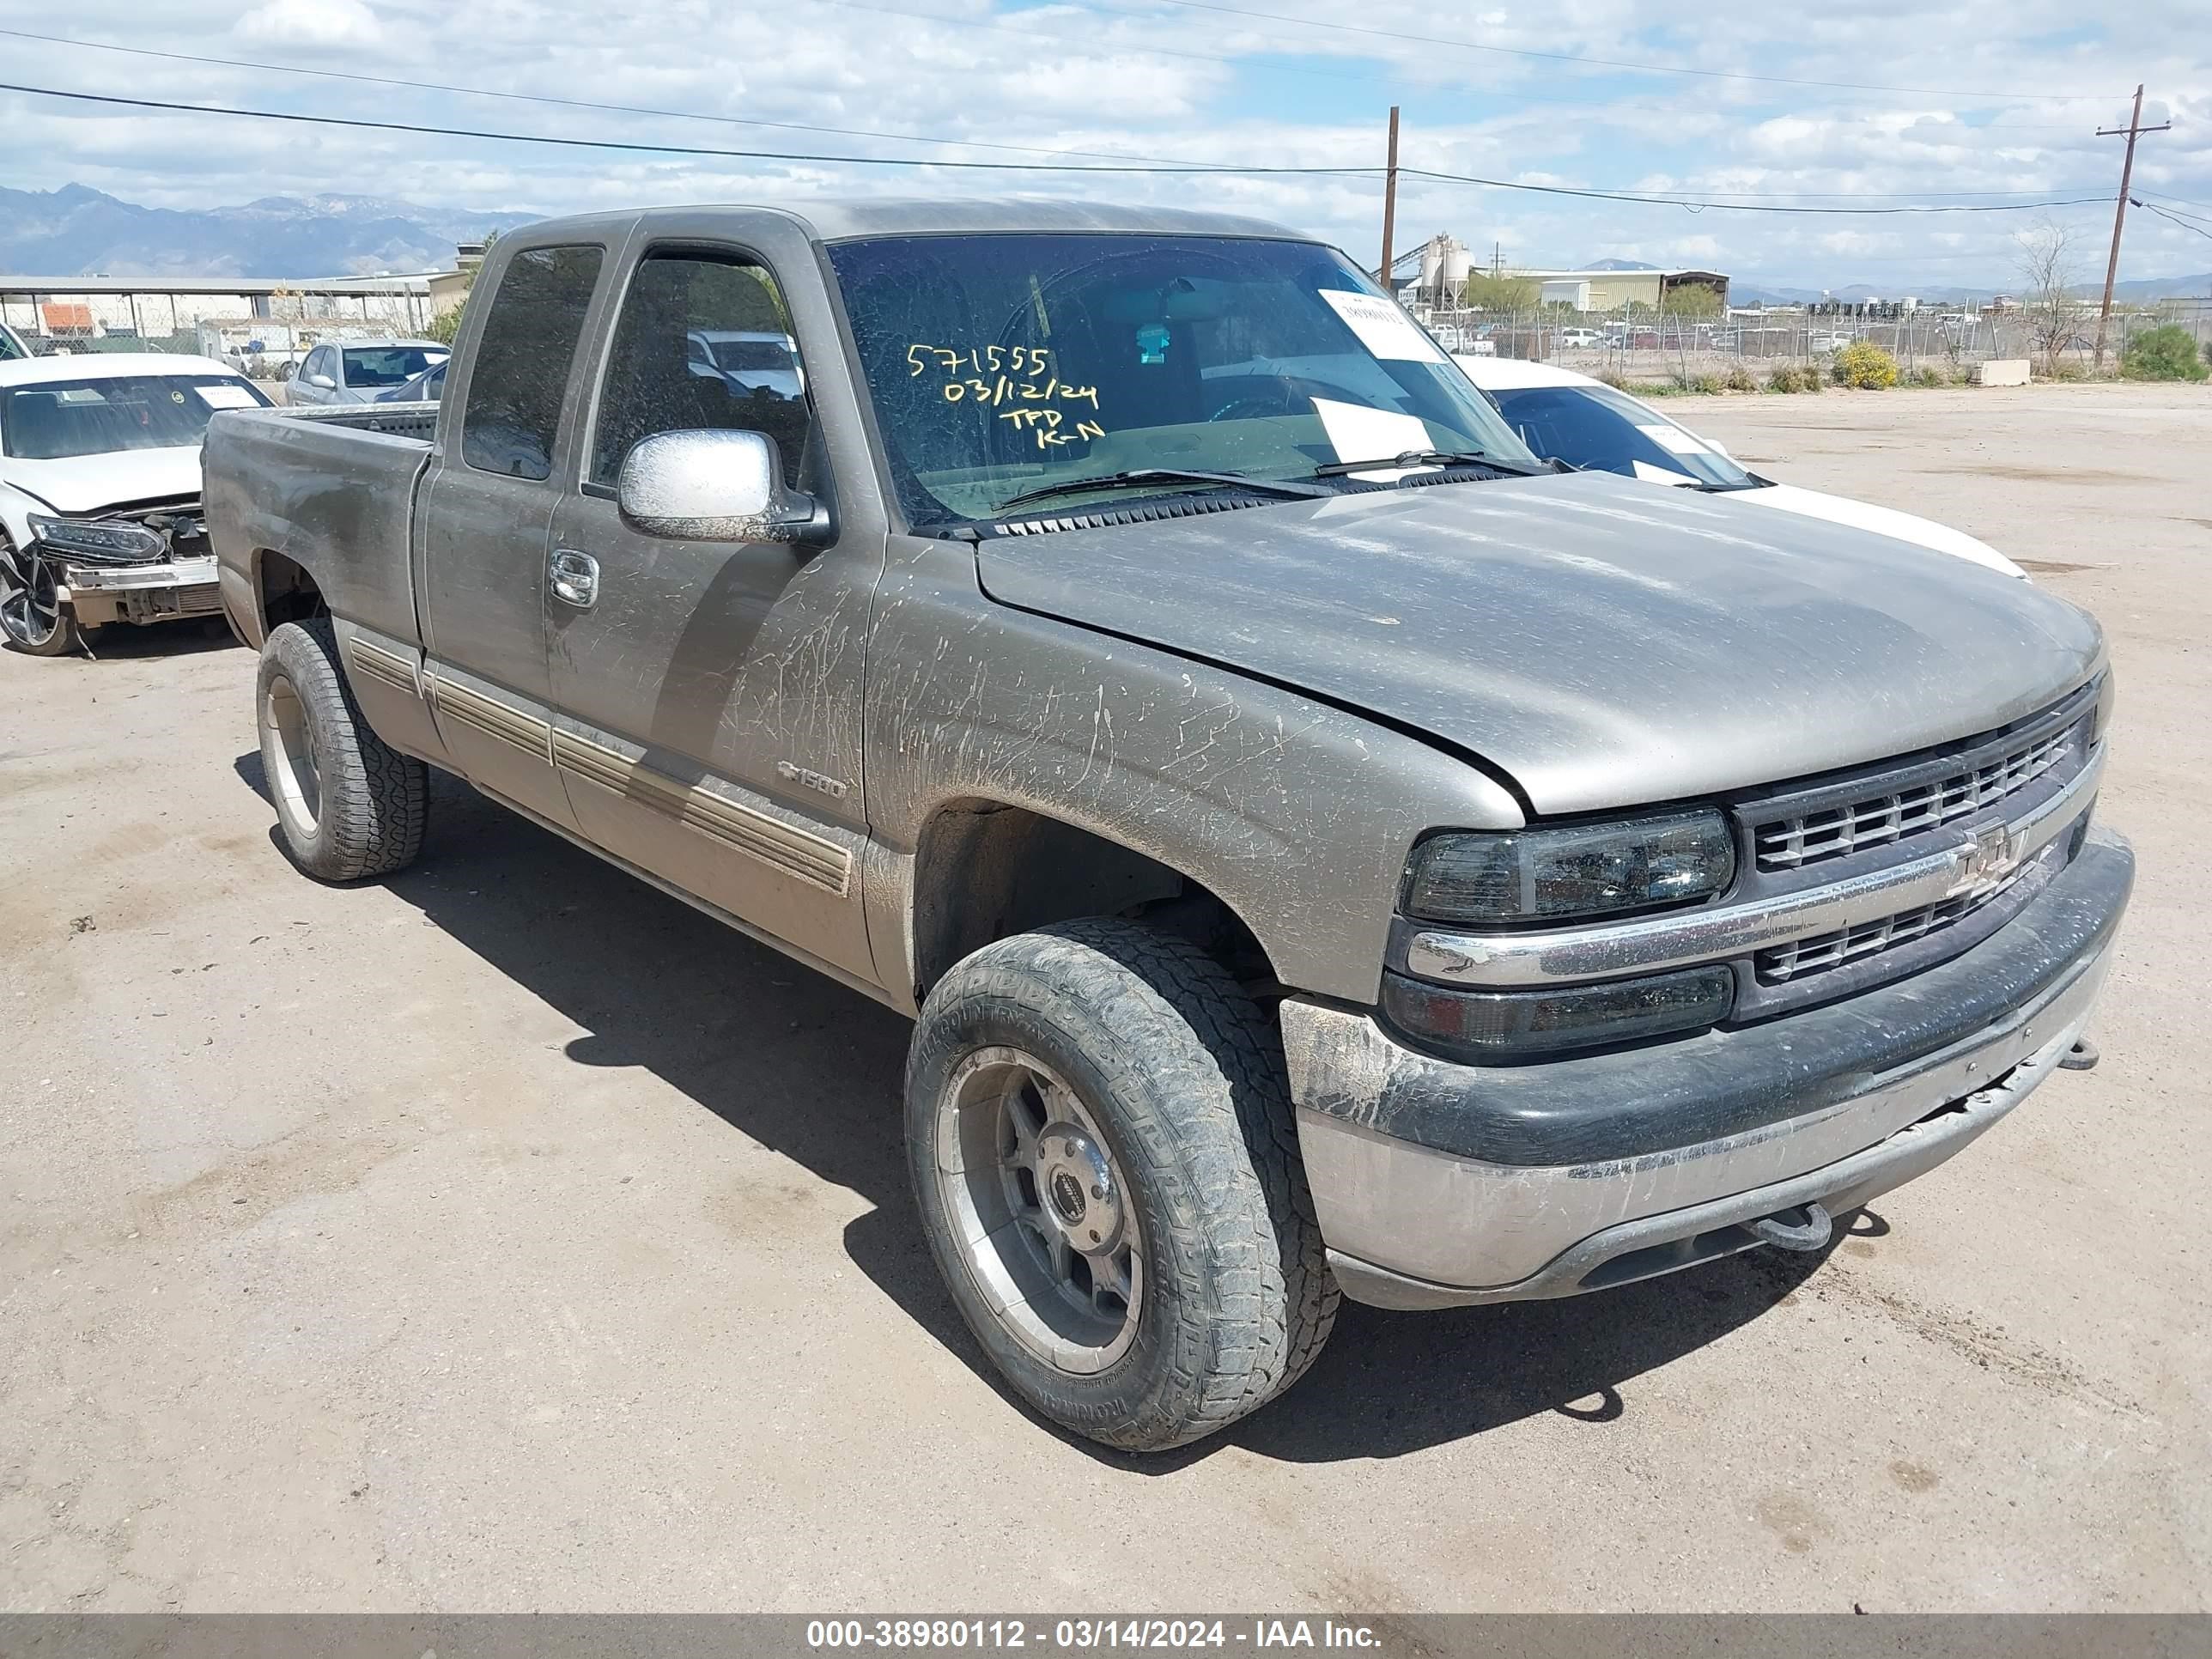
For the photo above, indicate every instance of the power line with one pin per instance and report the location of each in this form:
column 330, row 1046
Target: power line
column 2177, row 219
column 1746, row 207
column 563, row 103
column 2013, row 95
column 1368, row 172
column 659, row 149
column 407, row 84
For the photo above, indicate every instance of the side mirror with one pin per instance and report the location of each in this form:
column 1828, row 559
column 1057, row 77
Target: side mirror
column 715, row 487
column 322, row 381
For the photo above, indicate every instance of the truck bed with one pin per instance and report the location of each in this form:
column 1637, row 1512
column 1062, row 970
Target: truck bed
column 332, row 489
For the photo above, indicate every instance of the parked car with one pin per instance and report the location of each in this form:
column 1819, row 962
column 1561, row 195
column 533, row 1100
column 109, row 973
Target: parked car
column 357, row 371
column 751, row 359
column 1569, row 417
column 1581, row 339
column 425, row 388
column 1324, row 848
column 99, row 492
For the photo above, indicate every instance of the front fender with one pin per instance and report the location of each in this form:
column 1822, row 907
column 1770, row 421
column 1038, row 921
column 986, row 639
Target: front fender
column 1298, row 814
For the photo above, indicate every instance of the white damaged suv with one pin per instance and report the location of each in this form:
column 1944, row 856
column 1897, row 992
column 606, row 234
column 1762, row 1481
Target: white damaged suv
column 99, row 492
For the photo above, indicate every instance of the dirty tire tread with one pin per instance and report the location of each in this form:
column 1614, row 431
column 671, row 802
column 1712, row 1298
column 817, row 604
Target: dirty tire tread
column 375, row 800
column 1203, row 1045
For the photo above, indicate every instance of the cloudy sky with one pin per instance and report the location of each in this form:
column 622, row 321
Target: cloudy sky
column 1871, row 104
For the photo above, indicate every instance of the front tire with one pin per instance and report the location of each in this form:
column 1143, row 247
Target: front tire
column 347, row 804
column 33, row 618
column 1105, row 1160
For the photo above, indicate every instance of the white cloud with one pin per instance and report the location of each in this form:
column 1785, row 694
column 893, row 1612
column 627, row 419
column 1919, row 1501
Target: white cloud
column 311, row 23
column 1159, row 79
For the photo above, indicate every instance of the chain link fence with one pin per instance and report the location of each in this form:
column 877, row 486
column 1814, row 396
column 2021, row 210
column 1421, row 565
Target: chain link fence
column 1658, row 346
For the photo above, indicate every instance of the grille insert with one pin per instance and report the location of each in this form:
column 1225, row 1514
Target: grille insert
column 1874, row 820
column 1782, row 963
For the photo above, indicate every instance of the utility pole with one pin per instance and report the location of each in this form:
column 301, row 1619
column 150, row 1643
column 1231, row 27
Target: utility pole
column 1390, row 203
column 2134, row 127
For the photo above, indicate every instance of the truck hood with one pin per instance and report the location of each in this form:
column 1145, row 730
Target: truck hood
column 90, row 484
column 1605, row 643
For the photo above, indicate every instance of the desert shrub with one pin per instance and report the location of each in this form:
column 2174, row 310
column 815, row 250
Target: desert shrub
column 1927, row 374
column 1784, row 379
column 1738, row 379
column 1698, row 386
column 1866, row 365
column 2065, row 369
column 2166, row 353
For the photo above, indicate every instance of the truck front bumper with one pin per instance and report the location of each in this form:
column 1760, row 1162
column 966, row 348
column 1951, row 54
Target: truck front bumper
column 140, row 592
column 1439, row 1185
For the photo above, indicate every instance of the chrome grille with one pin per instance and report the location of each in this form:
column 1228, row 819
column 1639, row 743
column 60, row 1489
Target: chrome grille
column 1781, row 963
column 1786, row 843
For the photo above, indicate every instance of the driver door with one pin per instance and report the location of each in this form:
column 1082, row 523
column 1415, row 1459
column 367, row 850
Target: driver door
column 707, row 695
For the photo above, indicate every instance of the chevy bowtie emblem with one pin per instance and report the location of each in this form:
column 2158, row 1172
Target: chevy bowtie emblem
column 1988, row 856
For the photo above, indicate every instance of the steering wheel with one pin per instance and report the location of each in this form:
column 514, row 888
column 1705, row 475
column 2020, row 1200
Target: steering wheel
column 1279, row 401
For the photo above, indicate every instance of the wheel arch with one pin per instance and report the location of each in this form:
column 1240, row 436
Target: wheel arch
column 985, row 869
column 284, row 590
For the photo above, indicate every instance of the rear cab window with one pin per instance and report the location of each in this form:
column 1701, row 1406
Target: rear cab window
column 523, row 359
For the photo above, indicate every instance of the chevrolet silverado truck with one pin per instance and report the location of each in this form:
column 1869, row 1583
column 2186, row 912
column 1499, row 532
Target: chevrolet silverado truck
column 1324, row 850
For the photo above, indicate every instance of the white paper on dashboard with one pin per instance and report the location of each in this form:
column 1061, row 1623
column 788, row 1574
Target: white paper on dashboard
column 1674, row 439
column 225, row 397
column 1357, row 433
column 1382, row 328
column 1647, row 473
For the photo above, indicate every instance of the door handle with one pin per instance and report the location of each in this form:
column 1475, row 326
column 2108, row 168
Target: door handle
column 575, row 577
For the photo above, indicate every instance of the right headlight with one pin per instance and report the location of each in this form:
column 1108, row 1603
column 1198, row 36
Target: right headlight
column 1517, row 876
column 98, row 541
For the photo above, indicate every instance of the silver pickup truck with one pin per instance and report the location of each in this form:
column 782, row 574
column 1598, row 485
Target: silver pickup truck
column 1324, row 850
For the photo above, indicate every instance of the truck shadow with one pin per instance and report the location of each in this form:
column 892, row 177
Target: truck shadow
column 814, row 1072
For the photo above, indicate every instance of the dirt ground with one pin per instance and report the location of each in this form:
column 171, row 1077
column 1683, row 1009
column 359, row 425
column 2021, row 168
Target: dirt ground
column 507, row 1236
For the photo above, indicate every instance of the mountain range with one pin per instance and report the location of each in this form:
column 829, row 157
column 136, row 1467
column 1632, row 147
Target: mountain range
column 76, row 231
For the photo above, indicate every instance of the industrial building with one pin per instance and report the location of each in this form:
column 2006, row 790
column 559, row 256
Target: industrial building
column 165, row 313
column 1434, row 273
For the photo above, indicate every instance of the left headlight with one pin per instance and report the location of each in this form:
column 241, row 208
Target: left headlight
column 1580, row 870
column 99, row 541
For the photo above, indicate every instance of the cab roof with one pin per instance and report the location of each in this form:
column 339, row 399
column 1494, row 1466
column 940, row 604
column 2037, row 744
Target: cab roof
column 834, row 220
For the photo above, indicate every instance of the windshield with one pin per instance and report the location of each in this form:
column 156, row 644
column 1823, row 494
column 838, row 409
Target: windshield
column 1599, row 429
column 735, row 354
column 376, row 366
column 9, row 346
column 1002, row 364
column 57, row 419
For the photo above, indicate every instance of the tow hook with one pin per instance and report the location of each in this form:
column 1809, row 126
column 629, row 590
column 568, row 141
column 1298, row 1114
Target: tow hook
column 2081, row 1057
column 1803, row 1227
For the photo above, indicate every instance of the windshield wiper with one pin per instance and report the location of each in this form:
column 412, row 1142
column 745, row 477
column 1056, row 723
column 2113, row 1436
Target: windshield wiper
column 1144, row 476
column 1413, row 458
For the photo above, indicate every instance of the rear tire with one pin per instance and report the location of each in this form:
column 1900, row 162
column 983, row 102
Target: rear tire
column 1104, row 1156
column 347, row 804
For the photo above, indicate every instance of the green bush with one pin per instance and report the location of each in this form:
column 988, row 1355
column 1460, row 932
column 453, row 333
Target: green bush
column 1927, row 374
column 1788, row 378
column 2165, row 353
column 1866, row 365
column 1738, row 379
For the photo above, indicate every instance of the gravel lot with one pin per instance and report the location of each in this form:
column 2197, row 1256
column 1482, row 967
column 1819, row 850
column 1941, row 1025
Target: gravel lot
column 508, row 1236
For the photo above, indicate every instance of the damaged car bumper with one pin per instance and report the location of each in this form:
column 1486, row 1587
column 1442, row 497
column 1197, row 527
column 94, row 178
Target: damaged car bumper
column 145, row 593
column 1440, row 1184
